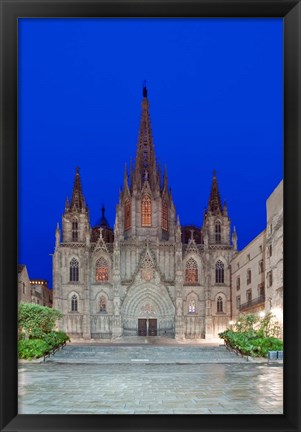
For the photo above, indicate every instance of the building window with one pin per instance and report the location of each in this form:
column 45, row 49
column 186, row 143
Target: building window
column 146, row 211
column 192, row 306
column 238, row 302
column 270, row 250
column 219, row 304
column 164, row 216
column 270, row 278
column 219, row 272
column 260, row 248
column 238, row 265
column 24, row 288
column 74, row 303
column 249, row 257
column 74, row 270
column 127, row 214
column 218, row 232
column 74, row 230
column 102, row 304
column 102, row 270
column 260, row 264
column 249, row 276
column 249, row 295
column 261, row 289
column 191, row 271
column 238, row 283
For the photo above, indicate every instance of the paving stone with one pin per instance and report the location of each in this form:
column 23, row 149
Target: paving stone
column 104, row 380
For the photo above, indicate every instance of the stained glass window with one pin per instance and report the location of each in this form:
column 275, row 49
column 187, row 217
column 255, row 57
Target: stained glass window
column 146, row 211
column 192, row 306
column 102, row 270
column 191, row 271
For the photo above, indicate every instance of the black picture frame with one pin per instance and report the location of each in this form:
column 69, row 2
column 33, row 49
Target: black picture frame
column 290, row 11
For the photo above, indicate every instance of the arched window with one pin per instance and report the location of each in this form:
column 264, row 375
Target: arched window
column 146, row 211
column 74, row 303
column 191, row 271
column 102, row 304
column 218, row 231
column 164, row 216
column 102, row 270
column 74, row 270
column 219, row 272
column 127, row 214
column 74, row 229
column 192, row 306
column 219, row 304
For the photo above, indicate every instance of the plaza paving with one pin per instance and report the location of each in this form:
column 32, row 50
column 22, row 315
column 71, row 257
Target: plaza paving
column 149, row 379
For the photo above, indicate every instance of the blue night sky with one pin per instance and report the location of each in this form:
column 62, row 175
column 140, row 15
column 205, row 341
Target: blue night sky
column 215, row 88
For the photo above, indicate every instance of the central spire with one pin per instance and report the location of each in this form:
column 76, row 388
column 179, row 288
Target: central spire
column 145, row 167
column 214, row 204
column 77, row 200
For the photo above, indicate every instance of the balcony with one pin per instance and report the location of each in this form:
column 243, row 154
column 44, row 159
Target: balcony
column 254, row 302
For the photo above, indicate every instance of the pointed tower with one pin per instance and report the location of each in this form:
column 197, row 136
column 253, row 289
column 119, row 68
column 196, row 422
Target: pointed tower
column 146, row 207
column 76, row 216
column 216, row 223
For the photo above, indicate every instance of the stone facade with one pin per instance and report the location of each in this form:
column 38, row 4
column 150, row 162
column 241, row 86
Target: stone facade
column 40, row 293
column 24, row 290
column 148, row 276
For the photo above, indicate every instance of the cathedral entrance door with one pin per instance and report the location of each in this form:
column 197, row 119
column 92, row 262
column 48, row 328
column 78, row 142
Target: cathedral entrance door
column 152, row 327
column 142, row 327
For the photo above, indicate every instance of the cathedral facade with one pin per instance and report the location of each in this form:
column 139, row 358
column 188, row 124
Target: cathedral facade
column 149, row 276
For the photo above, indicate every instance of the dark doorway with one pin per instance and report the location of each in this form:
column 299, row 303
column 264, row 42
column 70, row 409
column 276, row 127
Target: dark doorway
column 142, row 327
column 152, row 327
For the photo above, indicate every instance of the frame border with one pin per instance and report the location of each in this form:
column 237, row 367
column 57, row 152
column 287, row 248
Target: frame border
column 290, row 11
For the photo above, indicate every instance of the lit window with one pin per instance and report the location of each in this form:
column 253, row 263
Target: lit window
column 219, row 272
column 74, row 270
column 218, row 230
column 127, row 214
column 74, row 230
column 146, row 211
column 74, row 303
column 102, row 270
column 191, row 271
column 192, row 306
column 219, row 304
column 164, row 216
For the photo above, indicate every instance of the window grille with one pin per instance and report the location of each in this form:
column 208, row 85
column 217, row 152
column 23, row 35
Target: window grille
column 219, row 304
column 218, row 230
column 74, row 303
column 74, row 230
column 219, row 272
column 74, row 270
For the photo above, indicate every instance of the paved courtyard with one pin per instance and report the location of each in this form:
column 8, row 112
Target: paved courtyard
column 149, row 379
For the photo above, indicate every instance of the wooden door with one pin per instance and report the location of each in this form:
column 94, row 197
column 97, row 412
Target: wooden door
column 152, row 327
column 142, row 329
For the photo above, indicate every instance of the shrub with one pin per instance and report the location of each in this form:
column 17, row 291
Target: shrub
column 32, row 348
column 35, row 320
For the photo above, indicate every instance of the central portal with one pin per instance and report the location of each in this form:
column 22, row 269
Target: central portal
column 147, row 327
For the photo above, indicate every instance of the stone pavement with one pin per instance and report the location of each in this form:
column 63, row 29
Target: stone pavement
column 149, row 379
